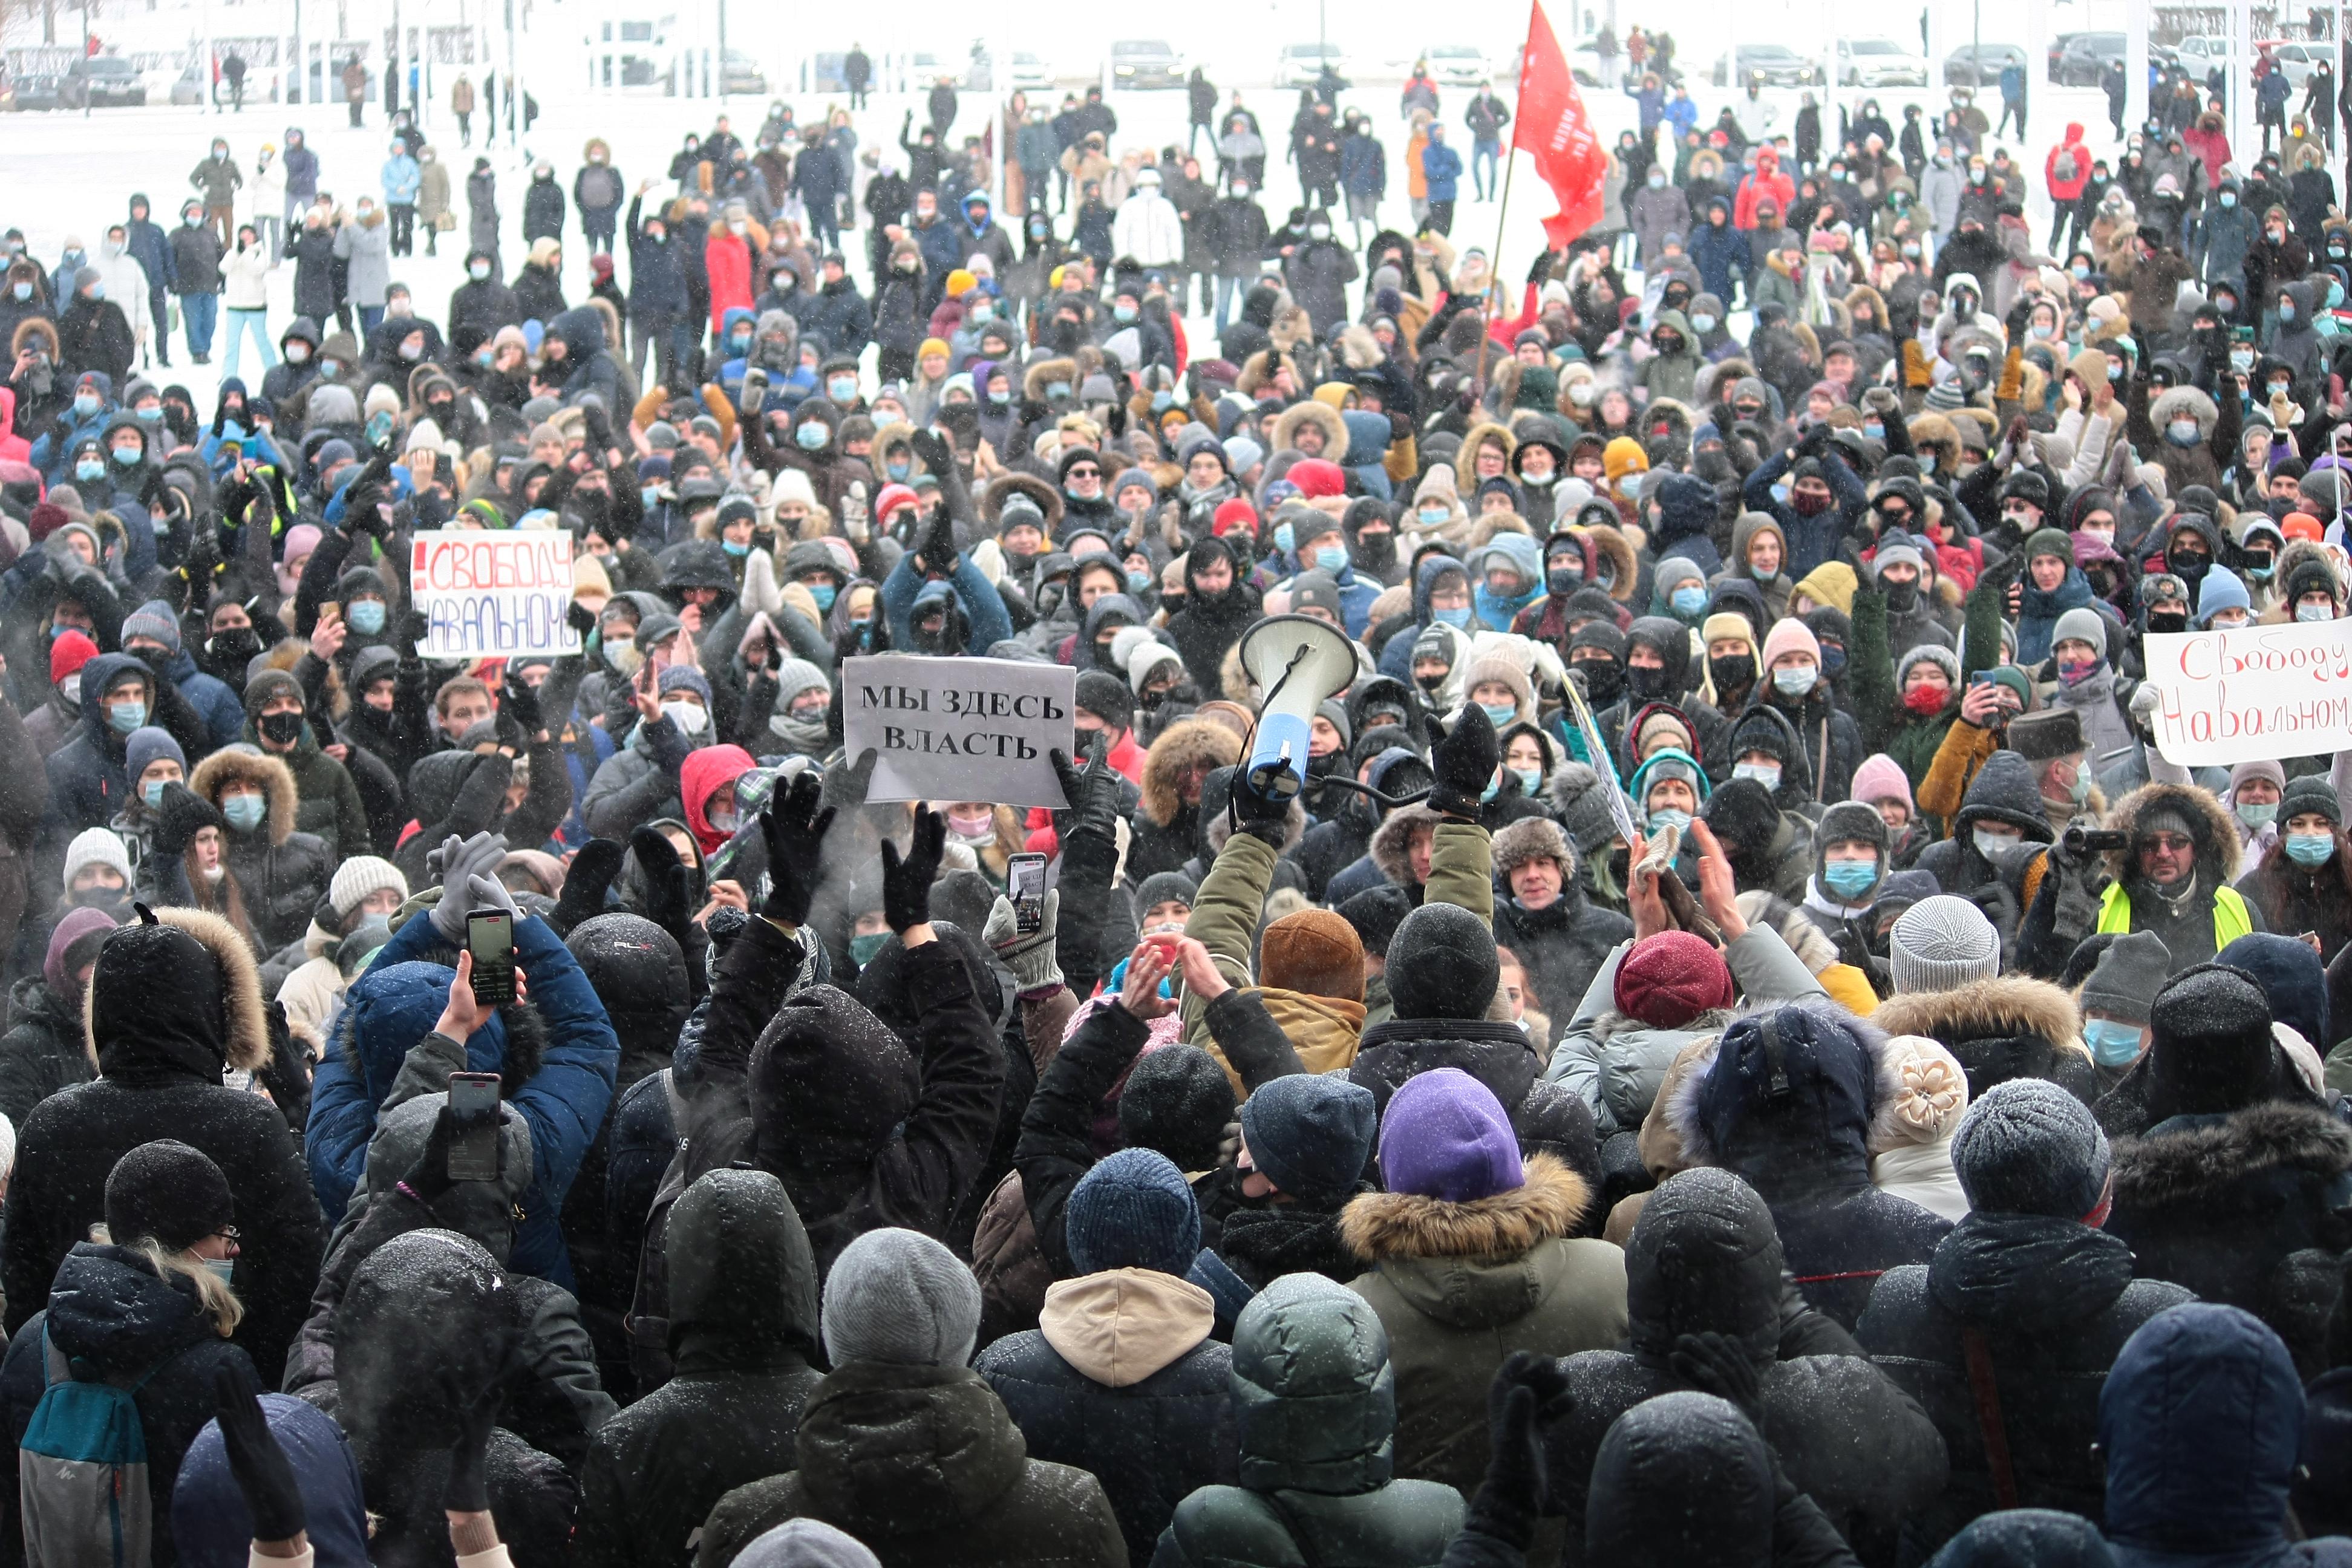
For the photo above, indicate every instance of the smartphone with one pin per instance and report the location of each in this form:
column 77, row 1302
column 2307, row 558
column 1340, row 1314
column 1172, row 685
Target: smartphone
column 1024, row 884
column 489, row 937
column 474, row 1107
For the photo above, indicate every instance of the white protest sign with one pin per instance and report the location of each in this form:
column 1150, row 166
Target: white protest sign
column 489, row 594
column 2253, row 693
column 959, row 729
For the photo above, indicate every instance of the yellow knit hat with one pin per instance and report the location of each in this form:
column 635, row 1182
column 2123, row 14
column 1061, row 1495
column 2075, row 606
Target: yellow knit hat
column 958, row 282
column 1831, row 583
column 1621, row 456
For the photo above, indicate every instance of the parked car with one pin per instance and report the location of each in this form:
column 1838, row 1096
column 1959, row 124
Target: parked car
column 1458, row 65
column 739, row 72
column 1030, row 72
column 1879, row 62
column 2298, row 60
column 34, row 89
column 2085, row 60
column 924, row 69
column 2201, row 54
column 102, row 81
column 1299, row 65
column 1980, row 64
column 1145, row 63
column 1774, row 64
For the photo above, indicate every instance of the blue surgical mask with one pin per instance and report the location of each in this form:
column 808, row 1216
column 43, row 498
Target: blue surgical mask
column 90, row 469
column 1667, row 816
column 1850, row 879
column 85, row 404
column 149, row 413
column 1162, row 400
column 127, row 457
column 812, row 436
column 151, row 793
column 2112, row 1044
column 2254, row 816
column 1500, row 713
column 1530, row 779
column 842, row 388
column 1766, row 773
column 2286, row 312
column 1688, row 600
column 22, row 291
column 898, row 467
column 1456, row 617
column 1433, row 516
column 862, row 949
column 2315, row 613
column 2310, row 851
column 1285, row 538
column 1796, row 681
column 823, row 592
column 650, row 496
column 1137, row 581
column 983, row 314
column 1331, row 558
column 366, row 616
column 1701, row 322
column 245, row 812
column 1058, row 389
column 734, row 549
column 1873, row 428
column 1124, row 312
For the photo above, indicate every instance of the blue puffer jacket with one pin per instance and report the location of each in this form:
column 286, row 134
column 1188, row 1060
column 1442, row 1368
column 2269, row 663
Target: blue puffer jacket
column 2201, row 1424
column 394, row 1005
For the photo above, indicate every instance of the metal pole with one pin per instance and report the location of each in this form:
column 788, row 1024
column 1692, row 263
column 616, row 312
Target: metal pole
column 296, row 93
column 1495, row 257
column 2136, row 22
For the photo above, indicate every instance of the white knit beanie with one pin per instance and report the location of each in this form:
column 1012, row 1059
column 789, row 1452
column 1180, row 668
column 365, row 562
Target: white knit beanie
column 1941, row 944
column 97, row 847
column 358, row 877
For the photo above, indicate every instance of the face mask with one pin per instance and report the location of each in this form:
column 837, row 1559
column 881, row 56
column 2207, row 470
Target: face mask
column 1849, row 879
column 1501, row 714
column 810, row 436
column 2314, row 612
column 2228, row 198
column 2182, row 432
column 689, row 717
column 1284, row 539
column 2310, row 851
column 1669, row 816
column 2285, row 312
column 90, row 469
column 2257, row 815
column 1460, row 617
column 245, row 812
column 85, row 404
column 1797, row 681
column 862, row 949
column 734, row 549
column 1562, row 581
column 152, row 793
column 297, row 353
column 621, row 653
column 1055, row 389
column 1766, row 773
column 366, row 616
column 1688, row 601
column 1701, row 322
column 842, row 389
column 2080, row 270
column 1733, row 671
column 1124, row 312
column 980, row 832
column 1433, row 516
column 983, row 314
column 1989, row 844
column 128, row 457
column 2112, row 1045
column 1331, row 558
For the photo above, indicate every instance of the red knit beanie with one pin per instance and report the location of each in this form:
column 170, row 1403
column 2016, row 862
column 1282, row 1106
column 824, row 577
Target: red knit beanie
column 1671, row 978
column 70, row 653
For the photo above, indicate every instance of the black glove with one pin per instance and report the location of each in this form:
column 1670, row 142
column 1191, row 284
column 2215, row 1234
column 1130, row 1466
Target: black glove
column 846, row 782
column 755, row 390
column 599, row 428
column 180, row 817
column 932, row 448
column 255, row 1458
column 577, row 617
column 1541, row 270
column 1816, row 442
column 523, row 707
column 907, row 879
column 1093, row 792
column 1718, row 1364
column 413, row 626
column 1465, row 760
column 1529, row 1393
column 937, row 552
column 795, row 827
column 669, row 897
column 585, row 884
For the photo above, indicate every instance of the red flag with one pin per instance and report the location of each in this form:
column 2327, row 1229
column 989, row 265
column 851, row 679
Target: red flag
column 1552, row 124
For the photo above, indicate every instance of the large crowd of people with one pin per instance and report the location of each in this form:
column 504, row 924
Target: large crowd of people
column 1739, row 1049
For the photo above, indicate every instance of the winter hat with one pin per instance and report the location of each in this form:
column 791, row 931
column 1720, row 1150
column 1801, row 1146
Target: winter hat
column 899, row 1298
column 211, row 1526
column 2312, row 791
column 1928, row 1091
column 680, row 676
column 1106, row 697
column 146, row 743
column 1581, row 806
column 2082, row 624
column 2030, row 1147
column 1847, row 822
column 2129, row 973
column 1445, row 1136
column 806, row 1544
column 360, row 876
column 1311, row 1134
column 2026, row 1538
column 1898, row 552
column 1790, row 636
column 1881, row 777
column 1314, row 952
column 1441, row 965
column 2292, row 979
column 1375, row 913
column 72, row 649
column 73, row 942
column 1133, row 1210
column 1666, row 980
column 1177, row 1101
column 1941, row 944
column 2220, row 591
column 96, row 846
column 1165, row 887
column 153, row 619
column 168, row 1191
column 2211, row 1050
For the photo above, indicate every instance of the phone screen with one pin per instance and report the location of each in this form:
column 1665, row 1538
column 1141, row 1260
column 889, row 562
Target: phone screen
column 489, row 937
column 474, row 1107
column 1024, row 884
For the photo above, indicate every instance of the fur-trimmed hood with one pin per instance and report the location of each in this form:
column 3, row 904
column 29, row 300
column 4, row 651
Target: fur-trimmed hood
column 1466, row 457
column 1378, row 1227
column 1390, row 840
column 2196, row 1158
column 1818, row 1131
column 1046, row 372
column 2217, row 848
column 275, row 780
column 2004, row 1006
column 1179, row 749
column 1319, row 414
column 2185, row 401
column 245, row 1037
column 1615, row 554
column 1004, row 487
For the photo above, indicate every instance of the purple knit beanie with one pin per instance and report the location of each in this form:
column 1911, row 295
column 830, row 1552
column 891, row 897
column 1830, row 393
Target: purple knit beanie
column 1445, row 1136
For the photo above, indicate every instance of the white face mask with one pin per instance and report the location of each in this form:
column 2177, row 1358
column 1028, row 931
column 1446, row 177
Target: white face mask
column 690, row 717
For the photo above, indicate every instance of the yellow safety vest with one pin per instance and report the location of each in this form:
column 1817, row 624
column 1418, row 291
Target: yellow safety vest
column 2231, row 920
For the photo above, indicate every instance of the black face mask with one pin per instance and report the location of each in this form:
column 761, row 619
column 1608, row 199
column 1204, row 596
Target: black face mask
column 1901, row 597
column 111, row 900
column 1562, row 581
column 285, row 729
column 233, row 647
column 2191, row 569
column 1324, row 766
column 1374, row 551
column 1649, row 683
column 1429, row 683
column 1733, row 672
column 1603, row 680
column 2168, row 622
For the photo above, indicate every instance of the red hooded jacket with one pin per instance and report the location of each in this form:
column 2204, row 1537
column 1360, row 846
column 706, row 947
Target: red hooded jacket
column 1766, row 181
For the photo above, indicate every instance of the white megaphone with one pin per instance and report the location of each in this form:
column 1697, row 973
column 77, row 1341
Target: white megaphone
column 1296, row 661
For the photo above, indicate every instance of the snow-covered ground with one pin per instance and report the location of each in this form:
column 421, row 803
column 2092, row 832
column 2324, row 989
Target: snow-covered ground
column 69, row 175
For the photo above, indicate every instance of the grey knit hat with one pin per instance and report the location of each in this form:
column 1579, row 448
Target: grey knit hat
column 2030, row 1147
column 2082, row 624
column 1941, row 944
column 1581, row 804
column 2312, row 791
column 901, row 1298
column 2129, row 973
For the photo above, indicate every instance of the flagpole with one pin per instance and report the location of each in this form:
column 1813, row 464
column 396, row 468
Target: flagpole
column 1510, row 166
